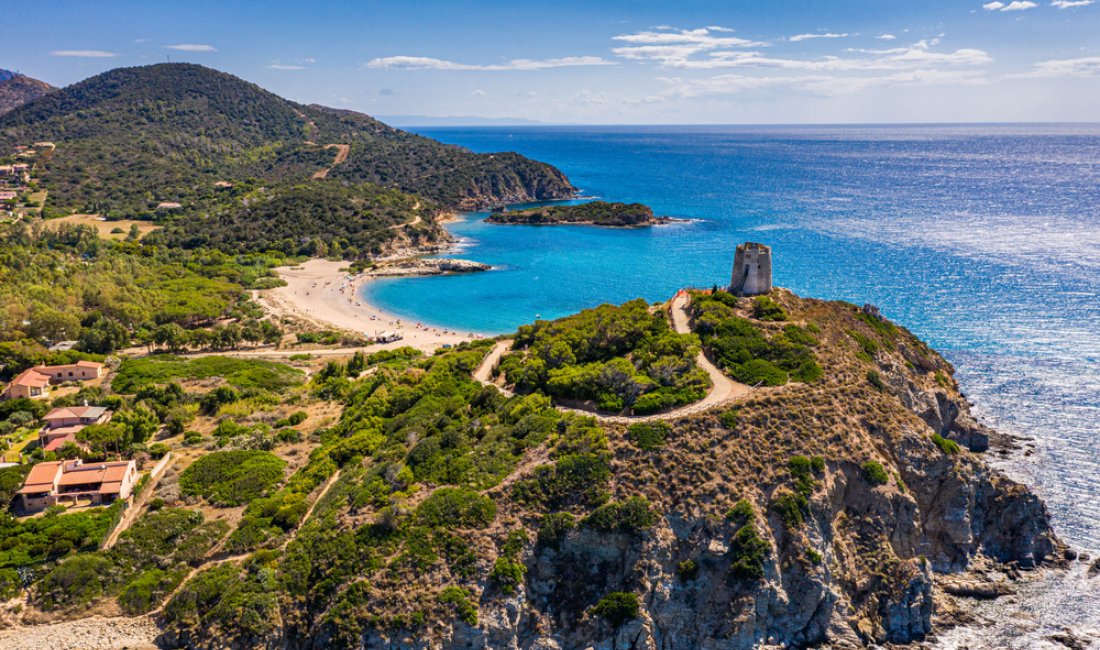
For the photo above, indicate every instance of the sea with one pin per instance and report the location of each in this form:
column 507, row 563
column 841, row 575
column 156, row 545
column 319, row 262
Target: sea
column 982, row 239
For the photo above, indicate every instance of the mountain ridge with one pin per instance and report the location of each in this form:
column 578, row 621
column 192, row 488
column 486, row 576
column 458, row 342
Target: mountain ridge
column 130, row 138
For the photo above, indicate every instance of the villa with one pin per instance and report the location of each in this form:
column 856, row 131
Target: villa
column 74, row 483
column 62, row 424
column 29, row 384
column 79, row 371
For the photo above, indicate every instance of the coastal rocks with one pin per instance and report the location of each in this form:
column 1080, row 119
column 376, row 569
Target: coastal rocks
column 418, row 267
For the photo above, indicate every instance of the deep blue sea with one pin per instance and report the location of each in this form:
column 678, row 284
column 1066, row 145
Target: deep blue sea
column 984, row 240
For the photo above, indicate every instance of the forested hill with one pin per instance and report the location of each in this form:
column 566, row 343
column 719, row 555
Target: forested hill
column 17, row 89
column 131, row 138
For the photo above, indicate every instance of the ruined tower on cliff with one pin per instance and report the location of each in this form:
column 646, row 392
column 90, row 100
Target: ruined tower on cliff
column 752, row 270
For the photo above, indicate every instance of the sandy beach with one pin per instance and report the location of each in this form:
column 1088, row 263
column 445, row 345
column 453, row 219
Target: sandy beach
column 319, row 292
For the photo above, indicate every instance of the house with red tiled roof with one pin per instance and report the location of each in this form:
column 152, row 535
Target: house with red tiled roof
column 62, row 424
column 29, row 384
column 73, row 482
column 79, row 371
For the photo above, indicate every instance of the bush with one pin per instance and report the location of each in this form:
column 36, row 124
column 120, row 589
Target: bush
column 748, row 551
column 507, row 574
column 742, row 512
column 648, row 436
column 766, row 309
column 554, row 528
column 630, row 516
column 456, row 508
column 875, row 379
column 949, row 447
column 874, row 473
column 813, row 556
column 460, row 598
column 192, row 437
column 687, row 570
column 618, row 607
column 789, row 505
column 232, row 478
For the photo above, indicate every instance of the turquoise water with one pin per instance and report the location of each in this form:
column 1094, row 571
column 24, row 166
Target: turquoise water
column 983, row 240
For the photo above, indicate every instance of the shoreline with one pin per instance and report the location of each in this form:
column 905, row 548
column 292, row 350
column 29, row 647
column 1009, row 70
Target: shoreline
column 318, row 292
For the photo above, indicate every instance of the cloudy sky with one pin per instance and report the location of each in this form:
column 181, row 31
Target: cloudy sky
column 732, row 61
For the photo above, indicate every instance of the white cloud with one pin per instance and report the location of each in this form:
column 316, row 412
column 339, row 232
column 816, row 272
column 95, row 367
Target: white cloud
column 1083, row 67
column 1015, row 5
column 672, row 46
column 192, row 47
column 84, row 54
column 429, row 63
column 806, row 37
column 818, row 84
column 283, row 66
column 886, row 37
column 1066, row 4
column 479, row 92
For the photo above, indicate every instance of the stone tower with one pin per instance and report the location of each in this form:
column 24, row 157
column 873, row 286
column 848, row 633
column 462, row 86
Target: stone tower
column 752, row 270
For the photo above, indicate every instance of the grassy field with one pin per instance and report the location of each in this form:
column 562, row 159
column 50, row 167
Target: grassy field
column 106, row 228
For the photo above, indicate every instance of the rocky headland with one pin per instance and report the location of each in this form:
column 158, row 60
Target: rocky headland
column 595, row 213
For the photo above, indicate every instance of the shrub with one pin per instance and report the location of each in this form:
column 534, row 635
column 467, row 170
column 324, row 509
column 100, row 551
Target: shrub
column 508, row 574
column 748, row 550
column 875, row 379
column 874, row 473
column 687, row 570
column 813, row 556
column 766, row 309
column 630, row 516
column 554, row 528
column 789, row 506
column 742, row 512
column 648, row 436
column 232, row 478
column 192, row 437
column 617, row 607
column 456, row 508
column 947, row 446
column 460, row 598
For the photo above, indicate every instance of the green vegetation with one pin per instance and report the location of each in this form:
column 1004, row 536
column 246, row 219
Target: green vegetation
column 319, row 218
column 947, row 446
column 631, row 516
column 65, row 283
column 875, row 379
column 465, row 608
column 133, row 137
column 748, row 552
column 621, row 357
column 749, row 354
column 137, row 373
column 874, row 473
column 555, row 526
column 617, row 608
column 148, row 562
column 766, row 309
column 648, row 436
column 30, row 542
column 232, row 478
column 456, row 508
column 687, row 569
column 596, row 213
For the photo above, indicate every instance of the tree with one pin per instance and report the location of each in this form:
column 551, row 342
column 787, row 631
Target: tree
column 171, row 336
column 140, row 422
column 105, row 438
column 103, row 336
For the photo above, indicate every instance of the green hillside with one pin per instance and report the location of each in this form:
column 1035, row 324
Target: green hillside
column 132, row 138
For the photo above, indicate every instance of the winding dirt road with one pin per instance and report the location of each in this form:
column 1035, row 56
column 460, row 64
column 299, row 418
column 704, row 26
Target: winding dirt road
column 723, row 389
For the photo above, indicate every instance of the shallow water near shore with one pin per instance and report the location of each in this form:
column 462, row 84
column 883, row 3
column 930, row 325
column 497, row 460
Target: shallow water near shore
column 983, row 240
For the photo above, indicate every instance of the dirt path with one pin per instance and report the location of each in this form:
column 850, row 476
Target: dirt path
column 341, row 155
column 723, row 389
column 484, row 372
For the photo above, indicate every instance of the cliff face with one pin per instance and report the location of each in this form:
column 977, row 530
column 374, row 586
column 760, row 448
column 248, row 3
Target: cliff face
column 807, row 513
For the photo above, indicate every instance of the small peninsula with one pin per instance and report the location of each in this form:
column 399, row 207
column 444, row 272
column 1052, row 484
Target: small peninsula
column 596, row 213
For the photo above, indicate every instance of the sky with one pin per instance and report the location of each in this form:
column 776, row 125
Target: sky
column 603, row 62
